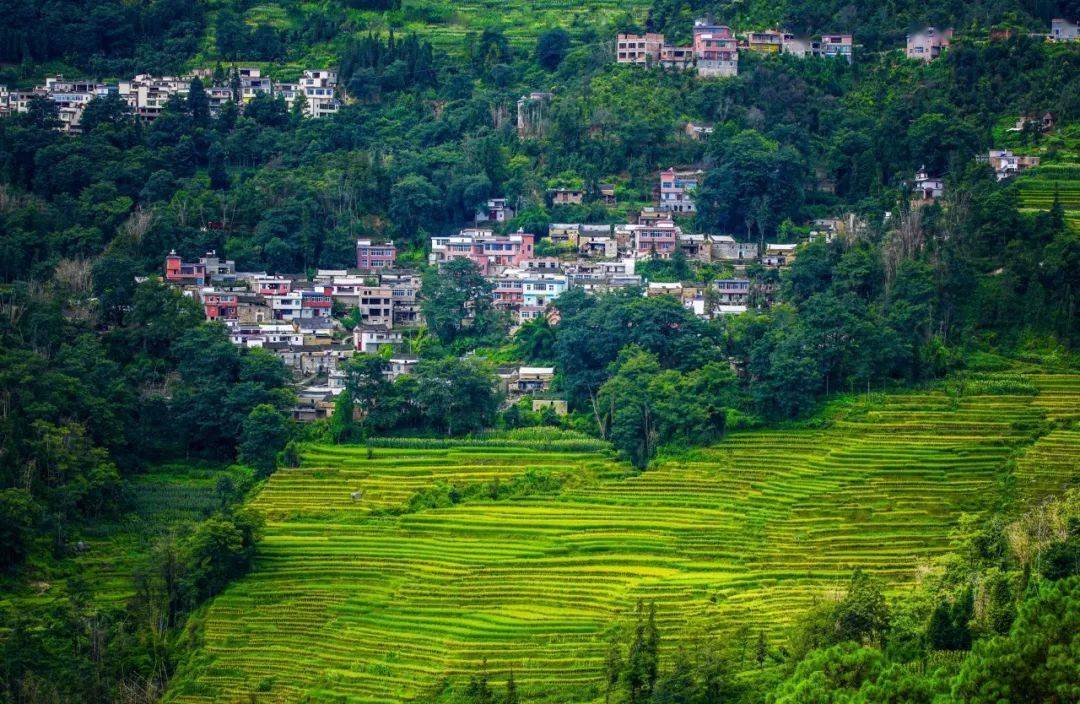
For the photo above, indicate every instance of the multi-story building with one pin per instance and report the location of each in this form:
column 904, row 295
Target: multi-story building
column 839, row 45
column 769, row 41
column 375, row 256
column 371, row 338
column 777, row 255
column 146, row 95
column 564, row 233
column 716, row 51
column 220, row 305
column 676, row 190
column 252, row 83
column 602, row 275
column 508, row 292
column 404, row 289
column 264, row 285
column 638, row 48
column 315, row 304
column 484, row 248
column 927, row 187
column 218, row 269
column 538, row 291
column 71, row 98
column 735, row 291
column 659, row 240
column 320, row 92
column 696, row 247
column 376, row 305
column 527, row 294
column 178, row 271
column 928, row 44
column 286, row 306
column 676, row 57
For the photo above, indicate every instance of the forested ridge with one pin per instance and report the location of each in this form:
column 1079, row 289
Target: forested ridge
column 106, row 377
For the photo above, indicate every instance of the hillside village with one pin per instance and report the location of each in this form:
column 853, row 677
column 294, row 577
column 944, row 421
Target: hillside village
column 315, row 324
column 624, row 351
column 713, row 53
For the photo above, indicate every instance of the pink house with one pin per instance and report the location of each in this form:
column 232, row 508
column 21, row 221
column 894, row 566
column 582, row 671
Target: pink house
column 375, row 255
column 181, row 272
column 715, row 49
column 486, row 249
column 658, row 240
column 677, row 190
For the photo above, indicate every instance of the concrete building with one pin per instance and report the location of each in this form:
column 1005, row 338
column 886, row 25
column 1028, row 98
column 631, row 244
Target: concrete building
column 375, row 256
column 1062, row 30
column 716, row 51
column 928, row 44
column 677, row 188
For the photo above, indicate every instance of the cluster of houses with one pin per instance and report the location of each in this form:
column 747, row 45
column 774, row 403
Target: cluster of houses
column 302, row 320
column 715, row 48
column 147, row 95
column 927, row 188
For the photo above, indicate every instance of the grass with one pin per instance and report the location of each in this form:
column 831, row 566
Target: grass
column 351, row 603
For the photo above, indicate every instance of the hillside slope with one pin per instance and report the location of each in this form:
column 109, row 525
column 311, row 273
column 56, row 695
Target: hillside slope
column 349, row 600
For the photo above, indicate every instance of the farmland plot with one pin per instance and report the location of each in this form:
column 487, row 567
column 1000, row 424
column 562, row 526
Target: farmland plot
column 357, row 598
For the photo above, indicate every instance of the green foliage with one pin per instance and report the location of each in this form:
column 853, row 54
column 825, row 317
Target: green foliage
column 456, row 301
column 264, row 431
column 551, row 48
column 1036, row 661
column 16, row 526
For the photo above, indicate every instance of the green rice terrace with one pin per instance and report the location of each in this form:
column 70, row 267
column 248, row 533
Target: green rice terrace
column 372, row 585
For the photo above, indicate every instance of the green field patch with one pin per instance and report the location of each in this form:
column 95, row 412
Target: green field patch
column 350, row 601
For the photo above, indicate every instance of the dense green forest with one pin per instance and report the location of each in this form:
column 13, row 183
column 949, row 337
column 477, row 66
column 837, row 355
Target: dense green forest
column 103, row 379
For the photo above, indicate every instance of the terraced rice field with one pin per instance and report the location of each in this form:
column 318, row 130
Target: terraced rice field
column 351, row 603
column 1038, row 189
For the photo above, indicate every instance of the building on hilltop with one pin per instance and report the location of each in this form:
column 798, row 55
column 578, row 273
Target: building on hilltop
column 209, row 268
column 1006, row 164
column 928, row 44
